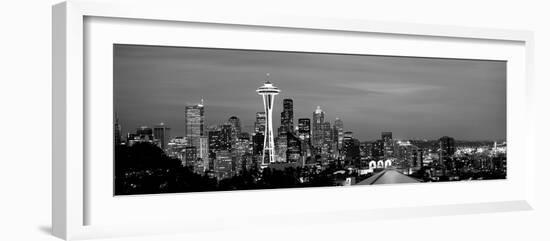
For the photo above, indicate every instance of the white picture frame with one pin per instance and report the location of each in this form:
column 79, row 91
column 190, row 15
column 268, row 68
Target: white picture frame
column 72, row 190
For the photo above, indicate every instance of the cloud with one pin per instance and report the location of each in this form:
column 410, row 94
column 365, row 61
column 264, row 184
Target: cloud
column 413, row 97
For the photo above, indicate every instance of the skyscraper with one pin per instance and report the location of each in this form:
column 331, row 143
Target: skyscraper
column 215, row 140
column 294, row 148
column 240, row 153
column 334, row 140
column 377, row 148
column 281, row 147
column 388, row 144
column 235, row 123
column 317, row 130
column 190, row 157
column 304, row 128
column 339, row 126
column 327, row 138
column 223, row 165
column 365, row 149
column 268, row 92
column 194, row 123
column 258, row 143
column 242, row 146
column 225, row 136
column 304, row 133
column 287, row 116
column 351, row 146
column 162, row 134
column 220, row 138
column 203, row 151
column 259, row 125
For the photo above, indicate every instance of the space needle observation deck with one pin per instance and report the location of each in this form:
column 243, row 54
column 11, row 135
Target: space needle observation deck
column 268, row 91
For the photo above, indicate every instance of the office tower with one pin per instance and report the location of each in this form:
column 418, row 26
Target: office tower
column 190, row 156
column 327, row 138
column 388, row 144
column 317, row 128
column 223, row 164
column 281, row 131
column 214, row 140
column 225, row 136
column 259, row 124
column 350, row 147
column 403, row 150
column 240, row 152
column 377, row 148
column 176, row 147
column 220, row 139
column 241, row 146
column 235, row 123
column 203, row 151
column 304, row 129
column 304, row 133
column 287, row 116
column 281, row 147
column 446, row 148
column 334, row 140
column 294, row 148
column 258, row 144
column 194, row 123
column 268, row 92
column 339, row 127
column 162, row 134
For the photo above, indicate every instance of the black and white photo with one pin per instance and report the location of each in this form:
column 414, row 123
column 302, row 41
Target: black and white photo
column 204, row 119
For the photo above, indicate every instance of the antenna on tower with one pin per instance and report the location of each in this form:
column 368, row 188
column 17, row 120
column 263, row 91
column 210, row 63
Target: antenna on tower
column 267, row 78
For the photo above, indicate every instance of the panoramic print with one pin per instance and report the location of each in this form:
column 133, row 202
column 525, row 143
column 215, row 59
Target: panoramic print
column 205, row 119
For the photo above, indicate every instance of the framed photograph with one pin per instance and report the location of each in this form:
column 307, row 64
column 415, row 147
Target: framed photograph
column 167, row 122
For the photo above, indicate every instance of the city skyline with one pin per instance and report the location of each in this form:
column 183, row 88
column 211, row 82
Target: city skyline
column 365, row 126
column 289, row 149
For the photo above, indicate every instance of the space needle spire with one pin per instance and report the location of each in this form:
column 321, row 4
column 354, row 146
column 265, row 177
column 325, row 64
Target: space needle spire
column 268, row 92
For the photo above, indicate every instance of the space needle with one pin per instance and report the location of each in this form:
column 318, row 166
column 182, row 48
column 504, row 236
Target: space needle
column 268, row 92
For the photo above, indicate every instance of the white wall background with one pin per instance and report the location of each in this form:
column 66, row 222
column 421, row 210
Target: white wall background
column 25, row 100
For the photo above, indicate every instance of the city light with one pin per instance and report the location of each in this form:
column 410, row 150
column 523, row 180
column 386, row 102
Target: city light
column 312, row 153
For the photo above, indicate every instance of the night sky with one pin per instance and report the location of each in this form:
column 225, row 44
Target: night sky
column 420, row 98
